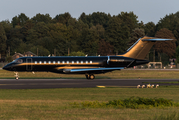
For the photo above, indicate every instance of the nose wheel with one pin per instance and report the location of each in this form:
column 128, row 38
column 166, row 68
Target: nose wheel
column 90, row 76
column 16, row 75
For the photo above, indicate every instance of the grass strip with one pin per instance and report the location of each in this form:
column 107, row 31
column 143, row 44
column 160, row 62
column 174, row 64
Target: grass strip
column 132, row 102
column 171, row 116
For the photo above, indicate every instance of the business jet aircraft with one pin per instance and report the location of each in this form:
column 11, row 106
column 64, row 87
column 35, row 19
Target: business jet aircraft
column 88, row 65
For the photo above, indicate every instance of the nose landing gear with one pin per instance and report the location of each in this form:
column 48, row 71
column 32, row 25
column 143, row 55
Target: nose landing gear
column 16, row 75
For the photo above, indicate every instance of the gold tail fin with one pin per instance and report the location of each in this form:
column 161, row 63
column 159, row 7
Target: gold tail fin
column 141, row 47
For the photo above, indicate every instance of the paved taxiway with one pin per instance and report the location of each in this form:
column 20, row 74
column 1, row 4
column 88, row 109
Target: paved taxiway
column 73, row 83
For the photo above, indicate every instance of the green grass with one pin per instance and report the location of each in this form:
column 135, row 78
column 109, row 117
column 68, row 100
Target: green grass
column 169, row 116
column 169, row 86
column 55, row 103
column 133, row 102
column 122, row 74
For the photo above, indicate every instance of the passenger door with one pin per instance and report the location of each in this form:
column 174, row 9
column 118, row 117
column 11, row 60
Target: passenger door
column 29, row 64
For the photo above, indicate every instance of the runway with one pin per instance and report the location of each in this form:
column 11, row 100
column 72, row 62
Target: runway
column 75, row 83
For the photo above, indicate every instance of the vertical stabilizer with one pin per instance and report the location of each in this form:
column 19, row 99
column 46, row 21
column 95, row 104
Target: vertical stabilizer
column 141, row 47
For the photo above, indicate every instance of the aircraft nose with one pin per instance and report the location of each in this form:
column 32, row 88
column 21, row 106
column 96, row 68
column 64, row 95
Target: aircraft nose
column 6, row 67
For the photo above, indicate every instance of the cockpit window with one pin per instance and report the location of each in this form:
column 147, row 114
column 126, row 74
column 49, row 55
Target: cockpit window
column 18, row 61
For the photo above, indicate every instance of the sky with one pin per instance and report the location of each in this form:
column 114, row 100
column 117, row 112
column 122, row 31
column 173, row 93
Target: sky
column 146, row 10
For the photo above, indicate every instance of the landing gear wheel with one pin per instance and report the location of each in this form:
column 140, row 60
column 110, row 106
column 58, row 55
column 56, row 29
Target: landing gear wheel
column 91, row 76
column 87, row 76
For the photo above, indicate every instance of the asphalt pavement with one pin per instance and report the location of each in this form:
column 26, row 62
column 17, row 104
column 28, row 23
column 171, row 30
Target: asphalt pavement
column 75, row 83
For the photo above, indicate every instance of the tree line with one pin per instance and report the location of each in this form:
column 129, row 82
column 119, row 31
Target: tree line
column 94, row 34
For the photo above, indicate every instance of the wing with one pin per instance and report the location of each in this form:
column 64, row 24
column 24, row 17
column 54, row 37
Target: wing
column 91, row 70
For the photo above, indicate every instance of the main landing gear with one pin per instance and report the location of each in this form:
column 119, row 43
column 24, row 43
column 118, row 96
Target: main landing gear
column 90, row 76
column 16, row 75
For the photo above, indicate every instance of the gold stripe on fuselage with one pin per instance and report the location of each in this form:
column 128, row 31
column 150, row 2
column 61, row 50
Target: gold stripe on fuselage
column 120, row 60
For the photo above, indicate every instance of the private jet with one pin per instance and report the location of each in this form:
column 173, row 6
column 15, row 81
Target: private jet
column 87, row 65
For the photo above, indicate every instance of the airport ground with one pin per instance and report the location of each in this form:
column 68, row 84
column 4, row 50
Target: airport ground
column 55, row 102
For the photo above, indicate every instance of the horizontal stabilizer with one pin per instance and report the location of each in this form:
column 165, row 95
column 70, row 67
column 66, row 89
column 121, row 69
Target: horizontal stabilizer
column 95, row 69
column 156, row 39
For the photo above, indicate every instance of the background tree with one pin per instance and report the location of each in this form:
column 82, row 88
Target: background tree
column 90, row 43
column 3, row 39
column 22, row 19
column 19, row 20
column 135, row 35
column 79, row 53
column 129, row 19
column 26, row 27
column 96, row 18
column 7, row 27
column 63, row 18
column 177, row 54
column 73, row 35
column 15, row 21
column 39, row 31
column 9, row 59
column 171, row 22
column 15, row 45
column 150, row 29
column 41, row 50
column 104, row 48
column 42, row 18
column 100, row 30
column 117, row 34
column 167, row 47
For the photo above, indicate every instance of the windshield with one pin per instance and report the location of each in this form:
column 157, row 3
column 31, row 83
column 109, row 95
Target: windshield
column 18, row 61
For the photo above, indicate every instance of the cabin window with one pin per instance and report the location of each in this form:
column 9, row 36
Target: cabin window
column 49, row 62
column 53, row 62
column 67, row 62
column 81, row 62
column 72, row 62
column 44, row 62
column 77, row 62
column 63, row 62
column 91, row 62
column 86, row 62
column 40, row 62
column 35, row 62
column 58, row 62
